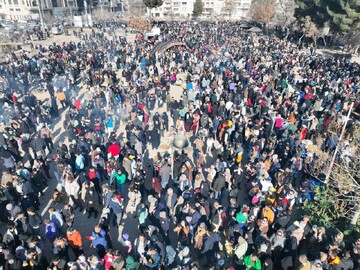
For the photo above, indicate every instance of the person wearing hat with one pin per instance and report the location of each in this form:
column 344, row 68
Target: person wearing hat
column 126, row 244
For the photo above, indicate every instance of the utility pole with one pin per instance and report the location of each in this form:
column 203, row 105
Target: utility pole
column 70, row 6
column 41, row 17
column 338, row 144
column 86, row 15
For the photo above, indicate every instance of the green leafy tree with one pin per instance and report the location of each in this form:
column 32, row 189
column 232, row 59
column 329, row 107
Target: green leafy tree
column 198, row 8
column 339, row 202
column 153, row 3
column 343, row 15
column 326, row 210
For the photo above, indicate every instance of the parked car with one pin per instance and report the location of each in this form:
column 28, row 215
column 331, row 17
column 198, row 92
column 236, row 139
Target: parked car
column 56, row 30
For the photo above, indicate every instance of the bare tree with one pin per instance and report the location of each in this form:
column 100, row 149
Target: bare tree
column 323, row 32
column 354, row 42
column 139, row 23
column 49, row 19
column 136, row 7
column 262, row 11
column 101, row 14
column 309, row 29
column 344, row 175
column 285, row 14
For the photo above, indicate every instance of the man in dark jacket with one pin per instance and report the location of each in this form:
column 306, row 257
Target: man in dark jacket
column 92, row 202
column 116, row 206
column 219, row 184
column 34, row 221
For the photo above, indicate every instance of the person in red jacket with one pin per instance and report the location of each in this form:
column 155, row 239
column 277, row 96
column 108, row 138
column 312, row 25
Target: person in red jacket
column 114, row 150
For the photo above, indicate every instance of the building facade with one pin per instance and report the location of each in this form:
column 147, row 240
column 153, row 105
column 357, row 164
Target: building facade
column 213, row 9
column 29, row 9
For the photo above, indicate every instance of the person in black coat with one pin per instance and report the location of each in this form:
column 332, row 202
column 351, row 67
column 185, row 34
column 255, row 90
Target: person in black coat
column 11, row 194
column 156, row 121
column 154, row 138
column 92, row 202
column 165, row 121
column 13, row 263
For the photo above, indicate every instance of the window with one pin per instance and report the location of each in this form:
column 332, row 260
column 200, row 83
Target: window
column 176, row 4
column 11, row 9
column 175, row 9
column 183, row 3
column 157, row 14
column 16, row 2
column 17, row 9
column 10, row 3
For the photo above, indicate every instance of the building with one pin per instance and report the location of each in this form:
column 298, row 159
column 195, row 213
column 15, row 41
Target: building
column 174, row 9
column 213, row 9
column 29, row 9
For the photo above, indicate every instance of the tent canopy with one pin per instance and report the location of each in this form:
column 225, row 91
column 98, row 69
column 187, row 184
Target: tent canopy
column 161, row 47
column 255, row 30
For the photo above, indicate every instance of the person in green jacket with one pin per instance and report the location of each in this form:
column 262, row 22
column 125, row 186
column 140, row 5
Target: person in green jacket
column 120, row 179
column 131, row 264
column 252, row 262
column 242, row 217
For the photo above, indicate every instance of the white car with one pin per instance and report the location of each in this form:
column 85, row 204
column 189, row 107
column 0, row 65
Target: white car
column 55, row 30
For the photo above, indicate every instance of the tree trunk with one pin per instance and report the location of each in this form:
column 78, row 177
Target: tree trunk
column 355, row 218
column 356, row 50
column 324, row 40
column 300, row 39
column 287, row 33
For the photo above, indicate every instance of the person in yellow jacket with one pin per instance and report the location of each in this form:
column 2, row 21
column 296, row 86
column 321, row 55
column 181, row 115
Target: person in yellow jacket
column 304, row 263
column 334, row 260
column 62, row 98
column 268, row 213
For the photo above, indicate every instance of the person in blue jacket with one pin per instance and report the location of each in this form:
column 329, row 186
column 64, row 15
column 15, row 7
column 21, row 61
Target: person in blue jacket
column 99, row 242
column 51, row 231
column 153, row 259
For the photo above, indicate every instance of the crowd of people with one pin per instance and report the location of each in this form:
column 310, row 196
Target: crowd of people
column 250, row 104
